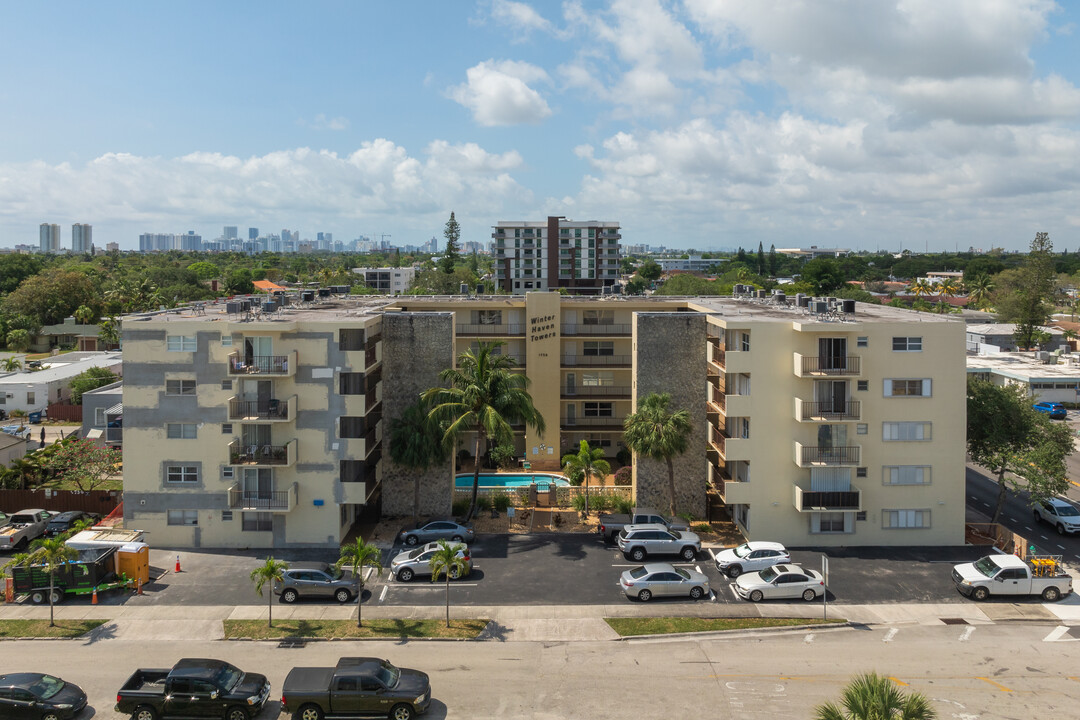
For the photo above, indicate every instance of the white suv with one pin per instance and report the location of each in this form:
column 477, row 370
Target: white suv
column 751, row 557
column 1064, row 517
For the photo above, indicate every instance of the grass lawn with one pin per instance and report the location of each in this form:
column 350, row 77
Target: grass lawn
column 628, row 627
column 40, row 628
column 381, row 628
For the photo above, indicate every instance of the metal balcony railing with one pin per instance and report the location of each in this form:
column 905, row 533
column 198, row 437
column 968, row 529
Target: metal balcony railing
column 596, row 360
column 240, row 364
column 619, row 391
column 490, row 330
column 269, row 409
column 814, row 455
column 825, row 501
column 814, row 365
column 262, row 500
column 830, row 410
column 256, row 454
column 610, row 329
column 615, row 422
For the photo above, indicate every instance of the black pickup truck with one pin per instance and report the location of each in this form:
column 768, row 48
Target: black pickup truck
column 194, row 687
column 359, row 687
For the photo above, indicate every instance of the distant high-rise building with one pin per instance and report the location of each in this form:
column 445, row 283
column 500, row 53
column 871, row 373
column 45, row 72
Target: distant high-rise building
column 81, row 238
column 253, row 233
column 191, row 242
column 112, row 247
column 231, row 232
column 49, row 239
column 582, row 257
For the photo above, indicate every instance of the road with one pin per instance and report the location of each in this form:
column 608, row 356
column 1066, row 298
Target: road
column 970, row 672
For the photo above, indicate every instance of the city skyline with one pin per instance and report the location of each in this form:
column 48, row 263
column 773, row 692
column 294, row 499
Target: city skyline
column 693, row 124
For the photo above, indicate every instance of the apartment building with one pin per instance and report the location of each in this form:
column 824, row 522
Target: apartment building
column 582, row 257
column 815, row 427
column 49, row 238
column 82, row 238
column 388, row 280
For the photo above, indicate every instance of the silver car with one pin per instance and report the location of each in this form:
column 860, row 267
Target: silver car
column 431, row 530
column 639, row 541
column 410, row 563
column 663, row 580
column 317, row 580
column 780, row 581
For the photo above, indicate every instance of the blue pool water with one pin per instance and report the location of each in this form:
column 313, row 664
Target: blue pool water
column 511, row 480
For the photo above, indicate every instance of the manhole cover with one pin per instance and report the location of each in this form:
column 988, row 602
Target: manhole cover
column 292, row 643
column 954, row 621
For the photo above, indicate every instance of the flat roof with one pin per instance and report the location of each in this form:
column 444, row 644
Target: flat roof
column 59, row 368
column 1022, row 367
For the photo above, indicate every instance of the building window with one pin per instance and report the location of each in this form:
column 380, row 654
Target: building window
column 489, row 317
column 226, row 515
column 828, row 523
column 179, row 387
column 864, row 385
column 598, row 317
column 31, row 398
column 256, row 522
column 597, row 378
column 183, row 517
column 350, row 339
column 598, row 348
column 352, row 427
column 181, row 431
column 598, row 409
column 862, row 428
column 862, row 341
column 226, row 384
column 180, row 343
column 904, row 519
column 906, row 475
column 227, row 472
column 182, row 474
column 99, row 417
column 907, row 344
column 351, row 383
column 907, row 388
column 226, row 341
column 744, row 342
column 905, row 431
column 860, row 472
column 226, row 428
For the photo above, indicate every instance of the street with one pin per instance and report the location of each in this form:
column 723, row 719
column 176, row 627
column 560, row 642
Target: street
column 970, row 672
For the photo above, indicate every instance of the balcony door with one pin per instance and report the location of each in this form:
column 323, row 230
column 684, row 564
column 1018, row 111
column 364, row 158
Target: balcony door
column 258, row 392
column 831, row 395
column 255, row 436
column 257, row 347
column 832, row 353
column 258, row 484
column 832, row 441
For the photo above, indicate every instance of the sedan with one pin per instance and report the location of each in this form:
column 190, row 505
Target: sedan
column 663, row 580
column 424, row 532
column 33, row 696
column 65, row 521
column 780, row 581
column 316, row 580
column 751, row 557
column 410, row 563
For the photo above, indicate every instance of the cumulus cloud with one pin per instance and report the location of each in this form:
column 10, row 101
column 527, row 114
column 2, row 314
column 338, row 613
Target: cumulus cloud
column 322, row 122
column 518, row 16
column 498, row 93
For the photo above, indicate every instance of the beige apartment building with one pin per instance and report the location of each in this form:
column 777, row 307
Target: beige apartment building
column 817, row 427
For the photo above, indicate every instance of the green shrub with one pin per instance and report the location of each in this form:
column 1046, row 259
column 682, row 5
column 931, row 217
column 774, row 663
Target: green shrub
column 504, row 456
column 702, row 528
column 460, row 507
column 624, row 475
column 483, row 503
column 623, row 456
column 687, row 518
column 579, row 502
column 600, row 503
column 464, row 455
column 574, row 475
column 624, row 505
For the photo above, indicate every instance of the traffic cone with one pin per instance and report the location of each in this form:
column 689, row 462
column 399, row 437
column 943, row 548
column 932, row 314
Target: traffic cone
column 138, row 588
column 177, row 563
column 93, row 598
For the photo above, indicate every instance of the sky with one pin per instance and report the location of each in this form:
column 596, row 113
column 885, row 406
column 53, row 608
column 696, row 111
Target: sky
column 707, row 124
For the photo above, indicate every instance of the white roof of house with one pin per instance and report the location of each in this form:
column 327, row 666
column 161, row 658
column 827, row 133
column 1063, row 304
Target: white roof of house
column 57, row 368
column 1004, row 329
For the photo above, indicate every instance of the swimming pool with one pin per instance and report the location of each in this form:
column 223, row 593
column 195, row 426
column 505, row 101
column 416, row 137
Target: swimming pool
column 541, row 479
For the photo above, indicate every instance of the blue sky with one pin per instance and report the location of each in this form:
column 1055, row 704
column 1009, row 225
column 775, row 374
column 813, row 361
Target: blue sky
column 694, row 124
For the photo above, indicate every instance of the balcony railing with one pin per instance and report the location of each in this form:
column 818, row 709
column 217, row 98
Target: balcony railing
column 620, row 391
column 240, row 364
column 491, row 330
column 816, row 455
column 829, row 410
column 718, row 440
column 596, row 360
column 612, row 329
column 831, row 501
column 262, row 500
column 614, row 422
column 258, row 454
column 254, row 410
column 813, row 365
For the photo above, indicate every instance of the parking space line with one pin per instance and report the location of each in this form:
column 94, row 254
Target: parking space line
column 712, row 595
column 382, row 595
column 1044, row 537
column 890, row 635
column 986, row 504
column 642, row 563
column 998, row 685
column 732, row 588
column 698, row 567
column 433, row 586
column 1027, row 527
column 1061, row 546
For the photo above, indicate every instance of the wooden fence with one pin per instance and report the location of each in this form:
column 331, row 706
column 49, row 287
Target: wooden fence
column 65, row 412
column 100, row 502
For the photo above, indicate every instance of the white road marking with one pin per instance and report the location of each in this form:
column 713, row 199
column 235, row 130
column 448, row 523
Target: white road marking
column 367, row 572
column 809, row 638
column 890, row 635
column 986, row 504
column 643, row 563
column 1056, row 633
column 712, row 595
column 698, row 567
column 1044, row 537
column 967, row 633
column 732, row 588
column 1027, row 527
column 382, row 596
column 1061, row 546
column 441, row 585
column 713, row 553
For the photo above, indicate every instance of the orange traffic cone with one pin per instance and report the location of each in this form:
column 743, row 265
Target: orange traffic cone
column 93, row 598
column 177, row 563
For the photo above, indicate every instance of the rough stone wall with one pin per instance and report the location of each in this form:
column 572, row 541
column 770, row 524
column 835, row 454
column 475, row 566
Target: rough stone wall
column 416, row 347
column 670, row 358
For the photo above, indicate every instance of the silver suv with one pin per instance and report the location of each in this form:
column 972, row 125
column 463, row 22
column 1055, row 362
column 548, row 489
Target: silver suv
column 639, row 541
column 410, row 563
column 316, row 580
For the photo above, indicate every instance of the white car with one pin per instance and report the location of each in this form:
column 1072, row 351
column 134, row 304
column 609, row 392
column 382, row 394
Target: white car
column 751, row 557
column 780, row 581
column 1064, row 517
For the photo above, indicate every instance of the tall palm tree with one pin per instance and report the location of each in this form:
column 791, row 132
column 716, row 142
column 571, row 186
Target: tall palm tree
column 1069, row 336
column 11, row 364
column 26, row 469
column 416, row 442
column 359, row 555
column 271, row 571
column 52, row 553
column 484, row 397
column 947, row 288
column 658, row 433
column 445, row 561
column 874, row 697
column 84, row 315
column 587, row 461
column 979, row 289
column 921, row 288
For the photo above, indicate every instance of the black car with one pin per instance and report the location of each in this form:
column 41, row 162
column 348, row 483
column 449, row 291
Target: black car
column 33, row 696
column 65, row 521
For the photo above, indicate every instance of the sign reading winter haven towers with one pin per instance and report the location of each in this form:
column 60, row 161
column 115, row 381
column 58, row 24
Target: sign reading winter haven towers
column 541, row 327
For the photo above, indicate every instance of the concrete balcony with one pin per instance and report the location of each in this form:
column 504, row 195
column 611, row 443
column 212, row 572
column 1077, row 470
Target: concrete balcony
column 596, row 391
column 609, row 423
column 597, row 361
column 502, row 330
column 255, row 411
column 262, row 455
column 813, row 366
column 833, row 501
column 736, row 492
column 263, row 365
column 839, row 411
column 816, row 456
column 611, row 330
column 738, row 405
column 276, row 501
column 738, row 361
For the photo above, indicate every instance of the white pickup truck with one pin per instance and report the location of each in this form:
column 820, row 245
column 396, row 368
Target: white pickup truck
column 23, row 527
column 1041, row 575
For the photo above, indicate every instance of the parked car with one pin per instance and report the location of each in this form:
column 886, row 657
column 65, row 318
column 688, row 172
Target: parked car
column 663, row 580
column 639, row 541
column 780, row 581
column 34, row 696
column 1056, row 411
column 1062, row 515
column 65, row 521
column 610, row 524
column 751, row 557
column 408, row 564
column 17, row 430
column 23, row 527
column 359, row 687
column 317, row 580
column 441, row 529
column 194, row 687
column 1041, row 575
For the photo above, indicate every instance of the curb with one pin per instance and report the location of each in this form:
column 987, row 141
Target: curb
column 847, row 624
column 399, row 639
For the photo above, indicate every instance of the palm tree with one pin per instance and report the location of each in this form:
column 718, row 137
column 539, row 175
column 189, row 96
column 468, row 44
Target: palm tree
column 1069, row 335
column 26, row 469
column 979, row 289
column 484, row 397
column 416, row 443
column 52, row 553
column 11, row 364
column 588, row 461
column 658, row 433
column 358, row 556
column 446, row 560
column 271, row 571
column 946, row 289
column 921, row 288
column 84, row 315
column 874, row 697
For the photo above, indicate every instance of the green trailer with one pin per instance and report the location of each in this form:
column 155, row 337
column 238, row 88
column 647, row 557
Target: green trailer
column 94, row 569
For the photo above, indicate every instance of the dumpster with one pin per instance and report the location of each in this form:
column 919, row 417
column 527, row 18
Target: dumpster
column 35, row 418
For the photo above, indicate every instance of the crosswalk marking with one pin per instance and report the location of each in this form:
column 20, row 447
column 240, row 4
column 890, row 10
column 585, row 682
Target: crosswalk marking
column 967, row 633
column 890, row 635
